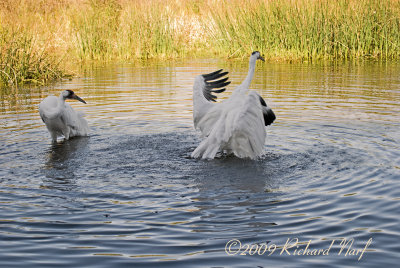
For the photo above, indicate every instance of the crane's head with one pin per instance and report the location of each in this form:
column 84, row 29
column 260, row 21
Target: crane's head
column 257, row 55
column 69, row 94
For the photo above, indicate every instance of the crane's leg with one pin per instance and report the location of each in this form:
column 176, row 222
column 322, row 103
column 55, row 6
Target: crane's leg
column 66, row 133
column 54, row 137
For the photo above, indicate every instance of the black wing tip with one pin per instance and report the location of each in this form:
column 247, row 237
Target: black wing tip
column 211, row 83
column 263, row 103
column 214, row 75
column 219, row 90
column 217, row 84
column 269, row 117
column 218, row 81
column 211, row 74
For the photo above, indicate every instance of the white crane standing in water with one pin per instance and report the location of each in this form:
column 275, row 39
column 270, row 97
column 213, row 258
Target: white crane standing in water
column 60, row 118
column 236, row 125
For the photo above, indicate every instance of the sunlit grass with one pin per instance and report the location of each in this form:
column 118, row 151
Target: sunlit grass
column 21, row 61
column 33, row 33
column 309, row 29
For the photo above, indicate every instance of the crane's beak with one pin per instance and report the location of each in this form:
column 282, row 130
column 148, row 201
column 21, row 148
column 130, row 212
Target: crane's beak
column 76, row 97
column 261, row 58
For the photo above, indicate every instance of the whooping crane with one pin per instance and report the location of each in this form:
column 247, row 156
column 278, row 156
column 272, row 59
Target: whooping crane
column 60, row 118
column 235, row 125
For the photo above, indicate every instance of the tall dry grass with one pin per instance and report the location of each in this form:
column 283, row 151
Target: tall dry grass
column 85, row 30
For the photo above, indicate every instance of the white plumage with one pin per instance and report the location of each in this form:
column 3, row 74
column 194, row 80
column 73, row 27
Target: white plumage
column 236, row 125
column 60, row 118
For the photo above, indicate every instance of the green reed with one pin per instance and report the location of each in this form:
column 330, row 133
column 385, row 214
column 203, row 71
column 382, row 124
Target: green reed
column 148, row 32
column 320, row 29
column 22, row 62
column 95, row 29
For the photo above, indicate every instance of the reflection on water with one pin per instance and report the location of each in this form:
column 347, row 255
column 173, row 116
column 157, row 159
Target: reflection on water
column 129, row 195
column 64, row 159
column 59, row 154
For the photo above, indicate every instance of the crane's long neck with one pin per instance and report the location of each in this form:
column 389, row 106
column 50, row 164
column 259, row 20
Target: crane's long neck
column 252, row 66
column 60, row 102
column 61, row 98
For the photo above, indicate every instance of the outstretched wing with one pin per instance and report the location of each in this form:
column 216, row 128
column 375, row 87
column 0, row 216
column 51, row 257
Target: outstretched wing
column 239, row 128
column 204, row 87
column 248, row 131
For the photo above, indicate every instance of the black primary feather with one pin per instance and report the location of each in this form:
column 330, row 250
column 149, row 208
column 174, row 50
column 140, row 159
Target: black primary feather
column 268, row 114
column 212, row 83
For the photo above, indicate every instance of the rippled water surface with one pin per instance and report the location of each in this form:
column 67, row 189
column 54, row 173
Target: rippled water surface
column 129, row 195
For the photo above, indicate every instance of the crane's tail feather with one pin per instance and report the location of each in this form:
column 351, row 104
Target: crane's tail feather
column 205, row 150
column 241, row 146
column 80, row 126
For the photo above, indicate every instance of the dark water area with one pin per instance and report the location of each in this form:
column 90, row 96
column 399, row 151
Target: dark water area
column 129, row 195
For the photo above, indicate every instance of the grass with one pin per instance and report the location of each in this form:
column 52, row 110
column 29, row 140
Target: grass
column 310, row 29
column 21, row 61
column 40, row 39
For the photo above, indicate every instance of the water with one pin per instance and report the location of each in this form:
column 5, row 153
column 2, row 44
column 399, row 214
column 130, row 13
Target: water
column 129, row 195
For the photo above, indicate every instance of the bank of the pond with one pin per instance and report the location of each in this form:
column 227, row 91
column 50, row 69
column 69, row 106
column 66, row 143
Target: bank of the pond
column 40, row 40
